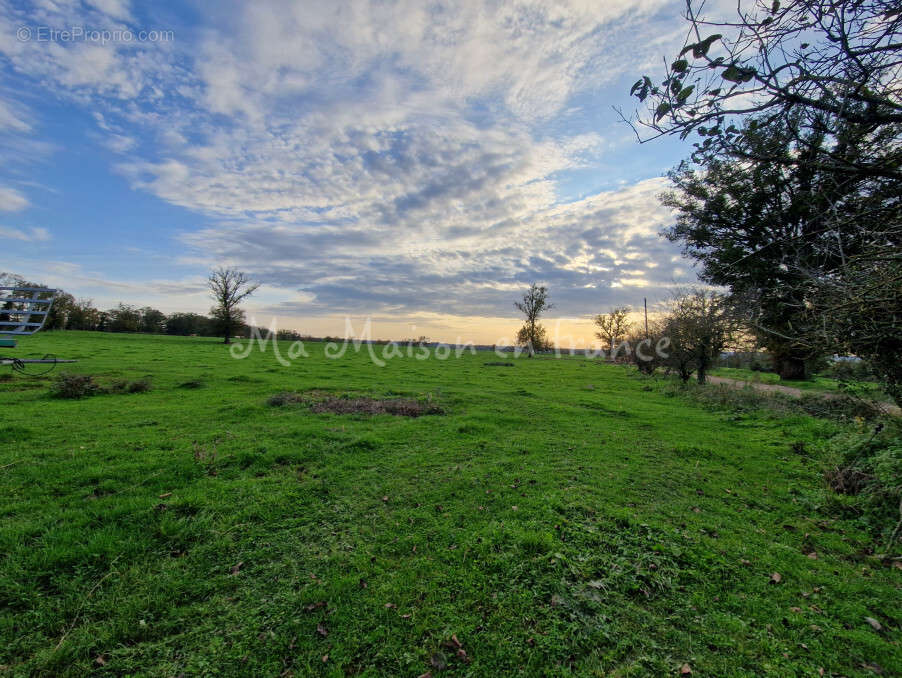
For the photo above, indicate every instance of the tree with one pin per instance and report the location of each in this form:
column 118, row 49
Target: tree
column 532, row 335
column 753, row 228
column 83, row 316
column 152, row 320
column 700, row 324
column 229, row 287
column 124, row 318
column 614, row 326
column 60, row 311
column 185, row 324
column 823, row 75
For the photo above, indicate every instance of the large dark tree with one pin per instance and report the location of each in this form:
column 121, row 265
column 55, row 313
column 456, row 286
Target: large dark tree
column 793, row 195
column 754, row 227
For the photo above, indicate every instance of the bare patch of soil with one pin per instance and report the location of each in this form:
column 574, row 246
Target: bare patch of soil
column 399, row 407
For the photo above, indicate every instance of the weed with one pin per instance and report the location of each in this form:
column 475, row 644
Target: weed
column 73, row 386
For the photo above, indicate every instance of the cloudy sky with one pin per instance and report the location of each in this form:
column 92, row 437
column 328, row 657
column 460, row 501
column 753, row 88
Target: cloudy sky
column 417, row 162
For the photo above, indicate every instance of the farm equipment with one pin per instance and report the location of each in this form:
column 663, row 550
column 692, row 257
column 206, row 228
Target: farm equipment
column 23, row 311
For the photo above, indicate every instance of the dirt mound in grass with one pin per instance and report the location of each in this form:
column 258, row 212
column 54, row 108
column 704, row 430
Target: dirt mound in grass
column 399, row 407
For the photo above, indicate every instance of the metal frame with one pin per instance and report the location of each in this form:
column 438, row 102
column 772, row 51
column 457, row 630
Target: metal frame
column 28, row 304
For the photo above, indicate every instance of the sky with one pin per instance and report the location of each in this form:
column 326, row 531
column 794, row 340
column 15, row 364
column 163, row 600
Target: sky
column 417, row 163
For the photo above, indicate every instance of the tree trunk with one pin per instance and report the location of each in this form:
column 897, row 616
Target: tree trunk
column 702, row 374
column 228, row 333
column 792, row 368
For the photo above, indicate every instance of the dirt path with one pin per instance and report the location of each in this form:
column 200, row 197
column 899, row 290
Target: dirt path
column 790, row 391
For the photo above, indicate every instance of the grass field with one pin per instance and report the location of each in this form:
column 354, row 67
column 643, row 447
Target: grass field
column 562, row 517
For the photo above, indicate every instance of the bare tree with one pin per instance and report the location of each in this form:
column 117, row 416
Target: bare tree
column 532, row 335
column 614, row 326
column 229, row 287
column 700, row 324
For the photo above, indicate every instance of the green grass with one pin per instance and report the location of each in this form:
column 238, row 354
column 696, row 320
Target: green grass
column 561, row 518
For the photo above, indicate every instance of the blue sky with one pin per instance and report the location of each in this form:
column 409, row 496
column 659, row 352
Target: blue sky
column 416, row 162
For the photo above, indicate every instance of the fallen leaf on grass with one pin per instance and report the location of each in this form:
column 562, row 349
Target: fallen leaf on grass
column 100, row 660
column 236, row 568
column 390, row 606
column 425, row 675
column 776, row 578
column 813, row 555
column 315, row 606
column 876, row 625
column 685, row 670
column 165, row 495
column 322, row 630
column 385, row 498
column 325, row 659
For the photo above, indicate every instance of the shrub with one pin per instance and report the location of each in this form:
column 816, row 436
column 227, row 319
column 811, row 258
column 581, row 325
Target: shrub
column 74, row 386
column 837, row 407
column 849, row 371
column 869, row 469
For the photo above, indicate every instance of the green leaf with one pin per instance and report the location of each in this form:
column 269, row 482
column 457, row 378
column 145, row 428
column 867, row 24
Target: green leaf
column 661, row 111
column 775, row 7
column 701, row 49
column 738, row 74
column 680, row 66
column 685, row 93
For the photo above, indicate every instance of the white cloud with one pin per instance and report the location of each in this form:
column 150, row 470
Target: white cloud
column 11, row 119
column 371, row 154
column 25, row 235
column 117, row 9
column 12, row 200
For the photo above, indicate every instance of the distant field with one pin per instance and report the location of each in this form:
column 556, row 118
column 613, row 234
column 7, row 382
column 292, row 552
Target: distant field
column 561, row 517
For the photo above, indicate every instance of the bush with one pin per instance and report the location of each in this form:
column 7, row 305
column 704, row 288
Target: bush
column 83, row 386
column 846, row 407
column 747, row 360
column 749, row 399
column 869, row 469
column 849, row 371
column 74, row 386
